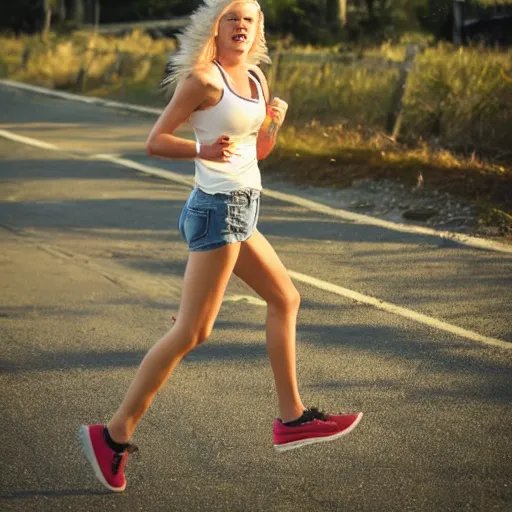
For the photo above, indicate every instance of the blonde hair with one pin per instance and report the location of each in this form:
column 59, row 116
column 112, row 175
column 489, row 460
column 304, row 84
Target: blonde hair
column 197, row 44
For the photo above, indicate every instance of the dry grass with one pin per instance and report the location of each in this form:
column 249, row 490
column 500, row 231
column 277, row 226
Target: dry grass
column 460, row 98
column 133, row 59
column 334, row 156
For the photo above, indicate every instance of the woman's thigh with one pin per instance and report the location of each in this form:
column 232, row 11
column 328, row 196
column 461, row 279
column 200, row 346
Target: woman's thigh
column 259, row 266
column 206, row 278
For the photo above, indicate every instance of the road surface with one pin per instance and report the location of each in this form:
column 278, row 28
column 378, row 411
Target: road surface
column 91, row 272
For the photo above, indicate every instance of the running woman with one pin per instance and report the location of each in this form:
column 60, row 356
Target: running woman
column 224, row 96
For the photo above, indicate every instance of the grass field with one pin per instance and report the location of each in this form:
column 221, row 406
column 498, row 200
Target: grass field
column 457, row 127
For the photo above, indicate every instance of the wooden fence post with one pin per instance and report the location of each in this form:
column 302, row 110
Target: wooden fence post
column 395, row 115
column 81, row 79
column 119, row 66
column 25, row 57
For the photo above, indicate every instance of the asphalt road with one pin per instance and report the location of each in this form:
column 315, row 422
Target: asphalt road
column 91, row 270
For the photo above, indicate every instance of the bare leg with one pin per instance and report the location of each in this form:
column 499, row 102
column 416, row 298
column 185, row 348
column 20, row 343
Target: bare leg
column 206, row 278
column 260, row 267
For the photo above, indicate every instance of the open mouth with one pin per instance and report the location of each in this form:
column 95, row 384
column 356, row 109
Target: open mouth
column 239, row 38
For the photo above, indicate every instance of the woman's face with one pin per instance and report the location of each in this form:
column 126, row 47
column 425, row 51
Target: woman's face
column 238, row 28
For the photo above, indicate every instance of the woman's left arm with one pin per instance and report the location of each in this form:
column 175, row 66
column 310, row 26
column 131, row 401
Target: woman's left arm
column 276, row 113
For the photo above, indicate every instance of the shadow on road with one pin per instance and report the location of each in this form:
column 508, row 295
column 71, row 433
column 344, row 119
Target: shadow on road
column 449, row 369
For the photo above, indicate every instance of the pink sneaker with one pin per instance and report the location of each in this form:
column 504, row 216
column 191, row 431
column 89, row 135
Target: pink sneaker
column 313, row 427
column 108, row 465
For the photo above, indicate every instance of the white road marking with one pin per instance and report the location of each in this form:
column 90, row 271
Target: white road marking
column 147, row 169
column 480, row 243
column 358, row 218
column 323, row 285
column 397, row 310
column 29, row 141
column 254, row 301
column 83, row 99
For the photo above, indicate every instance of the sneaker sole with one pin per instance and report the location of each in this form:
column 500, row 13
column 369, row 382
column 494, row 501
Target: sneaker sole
column 313, row 440
column 85, row 441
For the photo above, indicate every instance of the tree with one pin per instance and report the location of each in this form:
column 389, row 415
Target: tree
column 342, row 12
column 369, row 6
column 76, row 11
column 48, row 7
column 336, row 10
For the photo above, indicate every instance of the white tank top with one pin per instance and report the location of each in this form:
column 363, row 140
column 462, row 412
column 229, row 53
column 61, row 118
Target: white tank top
column 240, row 118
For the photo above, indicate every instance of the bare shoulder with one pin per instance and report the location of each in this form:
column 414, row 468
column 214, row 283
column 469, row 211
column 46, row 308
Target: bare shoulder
column 208, row 75
column 200, row 83
column 263, row 79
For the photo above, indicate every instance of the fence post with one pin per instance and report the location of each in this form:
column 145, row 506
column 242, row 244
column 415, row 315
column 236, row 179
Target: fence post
column 25, row 57
column 81, row 79
column 119, row 65
column 395, row 115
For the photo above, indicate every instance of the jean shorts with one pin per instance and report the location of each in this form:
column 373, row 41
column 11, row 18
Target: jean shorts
column 210, row 221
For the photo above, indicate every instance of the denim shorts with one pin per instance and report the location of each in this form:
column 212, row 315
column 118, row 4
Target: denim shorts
column 210, row 221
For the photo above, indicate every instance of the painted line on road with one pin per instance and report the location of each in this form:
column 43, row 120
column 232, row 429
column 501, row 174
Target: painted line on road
column 248, row 299
column 317, row 283
column 397, row 310
column 91, row 100
column 29, row 141
column 146, row 169
column 358, row 218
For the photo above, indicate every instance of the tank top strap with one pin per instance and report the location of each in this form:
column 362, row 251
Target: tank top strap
column 255, row 76
column 252, row 76
column 222, row 72
column 256, row 79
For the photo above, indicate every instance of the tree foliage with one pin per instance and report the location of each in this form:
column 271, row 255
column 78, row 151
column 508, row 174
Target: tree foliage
column 308, row 21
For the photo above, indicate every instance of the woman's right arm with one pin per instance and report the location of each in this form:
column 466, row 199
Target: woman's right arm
column 189, row 95
column 161, row 142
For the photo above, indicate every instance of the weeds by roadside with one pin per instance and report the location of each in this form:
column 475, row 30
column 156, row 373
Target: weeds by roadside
column 104, row 62
column 337, row 157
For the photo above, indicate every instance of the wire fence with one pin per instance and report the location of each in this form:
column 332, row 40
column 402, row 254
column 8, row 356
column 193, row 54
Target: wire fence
column 288, row 65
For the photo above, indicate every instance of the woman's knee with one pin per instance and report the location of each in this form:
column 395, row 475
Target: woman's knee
column 286, row 302
column 192, row 336
column 202, row 334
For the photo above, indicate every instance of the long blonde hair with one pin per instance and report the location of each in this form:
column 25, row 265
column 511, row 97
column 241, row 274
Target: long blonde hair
column 197, row 44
